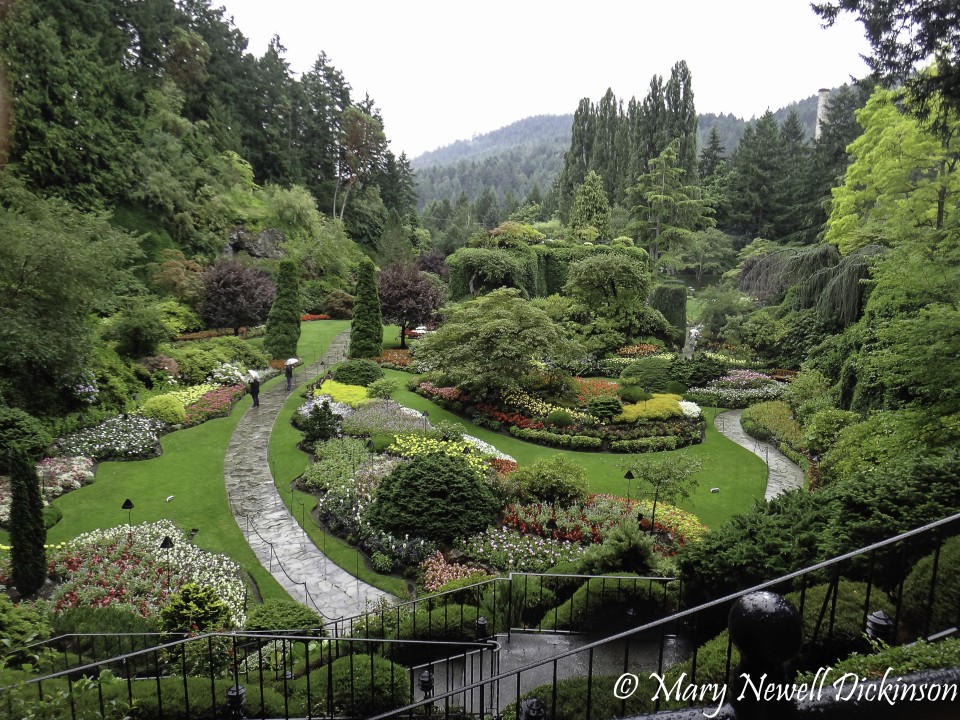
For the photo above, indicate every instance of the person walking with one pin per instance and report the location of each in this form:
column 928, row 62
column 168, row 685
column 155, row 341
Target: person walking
column 288, row 371
column 255, row 390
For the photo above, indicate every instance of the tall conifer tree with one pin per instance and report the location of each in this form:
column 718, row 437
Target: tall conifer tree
column 283, row 321
column 28, row 558
column 366, row 332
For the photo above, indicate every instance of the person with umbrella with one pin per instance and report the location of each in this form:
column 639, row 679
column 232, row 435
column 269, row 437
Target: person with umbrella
column 255, row 387
column 288, row 371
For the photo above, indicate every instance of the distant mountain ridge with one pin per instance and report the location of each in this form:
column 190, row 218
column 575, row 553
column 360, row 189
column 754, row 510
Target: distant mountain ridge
column 529, row 153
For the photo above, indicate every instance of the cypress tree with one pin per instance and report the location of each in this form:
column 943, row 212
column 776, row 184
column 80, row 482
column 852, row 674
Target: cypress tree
column 366, row 331
column 283, row 320
column 28, row 558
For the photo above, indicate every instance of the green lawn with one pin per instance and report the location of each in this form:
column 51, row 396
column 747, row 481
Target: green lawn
column 740, row 475
column 190, row 469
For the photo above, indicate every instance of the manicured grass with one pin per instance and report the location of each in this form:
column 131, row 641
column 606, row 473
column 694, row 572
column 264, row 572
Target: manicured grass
column 740, row 475
column 190, row 469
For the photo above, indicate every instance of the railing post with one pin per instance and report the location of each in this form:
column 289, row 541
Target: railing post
column 767, row 631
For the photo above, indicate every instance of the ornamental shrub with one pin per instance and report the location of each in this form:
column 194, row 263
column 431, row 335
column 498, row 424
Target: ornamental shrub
column 366, row 331
column 436, row 497
column 283, row 320
column 279, row 614
column 671, row 300
column 352, row 395
column 676, row 388
column 697, row 371
column 633, row 394
column 339, row 305
column 358, row 372
column 20, row 625
column 165, row 408
column 383, row 388
column 21, row 431
column 320, row 424
column 555, row 479
column 918, row 614
column 363, row 686
column 604, row 408
column 659, row 407
column 652, row 373
column 823, row 428
column 560, row 418
column 195, row 609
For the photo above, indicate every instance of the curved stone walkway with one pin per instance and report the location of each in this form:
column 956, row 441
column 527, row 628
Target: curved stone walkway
column 276, row 538
column 782, row 473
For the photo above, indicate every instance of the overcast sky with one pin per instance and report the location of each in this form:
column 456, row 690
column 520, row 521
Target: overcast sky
column 441, row 70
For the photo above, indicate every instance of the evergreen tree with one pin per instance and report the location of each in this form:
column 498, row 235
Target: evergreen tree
column 667, row 212
column 28, row 558
column 754, row 193
column 366, row 331
column 712, row 155
column 591, row 210
column 795, row 189
column 283, row 320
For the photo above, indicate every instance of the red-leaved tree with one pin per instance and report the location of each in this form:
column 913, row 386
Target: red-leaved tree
column 235, row 295
column 408, row 297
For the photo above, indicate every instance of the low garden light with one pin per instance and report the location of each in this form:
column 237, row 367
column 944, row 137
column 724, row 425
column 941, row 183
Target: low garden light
column 481, row 627
column 628, row 477
column 880, row 626
column 425, row 415
column 532, row 709
column 426, row 687
column 128, row 506
column 236, row 698
column 167, row 545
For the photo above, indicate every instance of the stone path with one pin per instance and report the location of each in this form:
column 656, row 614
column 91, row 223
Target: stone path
column 782, row 473
column 272, row 532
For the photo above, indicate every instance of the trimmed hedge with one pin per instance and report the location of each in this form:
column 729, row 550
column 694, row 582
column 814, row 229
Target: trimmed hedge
column 574, row 442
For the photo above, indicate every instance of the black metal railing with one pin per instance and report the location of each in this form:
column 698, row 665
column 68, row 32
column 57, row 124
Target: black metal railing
column 632, row 672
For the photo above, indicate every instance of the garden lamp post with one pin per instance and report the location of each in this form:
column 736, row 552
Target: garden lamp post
column 128, row 506
column 425, row 416
column 628, row 477
column 426, row 686
column 167, row 545
column 481, row 627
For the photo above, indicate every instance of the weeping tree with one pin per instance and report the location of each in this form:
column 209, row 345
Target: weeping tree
column 283, row 320
column 28, row 558
column 366, row 331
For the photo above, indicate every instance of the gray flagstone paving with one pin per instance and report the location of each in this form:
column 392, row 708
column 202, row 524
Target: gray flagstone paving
column 271, row 530
column 782, row 475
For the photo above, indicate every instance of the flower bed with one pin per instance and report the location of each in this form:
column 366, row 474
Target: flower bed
column 395, row 360
column 639, row 350
column 352, row 395
column 214, row 404
column 437, row 572
column 590, row 388
column 125, row 566
column 737, row 389
column 507, row 549
column 121, row 438
column 58, row 475
column 310, row 318
column 409, row 445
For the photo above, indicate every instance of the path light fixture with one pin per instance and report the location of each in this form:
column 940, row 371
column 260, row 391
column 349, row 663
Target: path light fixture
column 481, row 627
column 532, row 709
column 426, row 687
column 880, row 626
column 128, row 506
column 236, row 698
column 628, row 477
column 425, row 415
column 167, row 545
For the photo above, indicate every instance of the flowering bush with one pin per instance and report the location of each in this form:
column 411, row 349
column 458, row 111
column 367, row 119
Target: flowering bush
column 503, row 467
column 690, row 409
column 734, row 397
column 310, row 318
column 685, row 527
column 120, row 438
column 437, row 572
column 126, row 566
column 510, row 418
column 743, row 380
column 590, row 388
column 86, row 390
column 507, row 549
column 352, row 395
column 214, row 404
column 341, row 409
column 227, row 374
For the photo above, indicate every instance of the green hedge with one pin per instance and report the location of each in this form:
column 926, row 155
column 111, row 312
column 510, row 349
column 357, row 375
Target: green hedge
column 574, row 442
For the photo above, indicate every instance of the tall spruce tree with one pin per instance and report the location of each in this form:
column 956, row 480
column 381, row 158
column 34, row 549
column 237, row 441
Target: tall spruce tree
column 283, row 320
column 591, row 211
column 28, row 558
column 366, row 332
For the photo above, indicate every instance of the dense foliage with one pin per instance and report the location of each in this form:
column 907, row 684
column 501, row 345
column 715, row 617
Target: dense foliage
column 283, row 320
column 366, row 331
